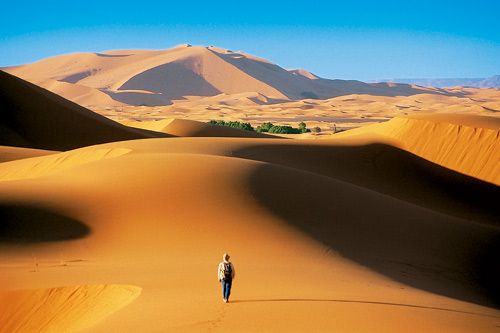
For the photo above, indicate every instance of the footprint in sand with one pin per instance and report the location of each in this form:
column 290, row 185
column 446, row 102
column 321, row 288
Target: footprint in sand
column 216, row 322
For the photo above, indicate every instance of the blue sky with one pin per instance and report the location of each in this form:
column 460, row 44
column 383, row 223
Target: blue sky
column 359, row 40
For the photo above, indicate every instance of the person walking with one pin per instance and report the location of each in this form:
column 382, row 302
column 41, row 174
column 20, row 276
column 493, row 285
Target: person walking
column 226, row 276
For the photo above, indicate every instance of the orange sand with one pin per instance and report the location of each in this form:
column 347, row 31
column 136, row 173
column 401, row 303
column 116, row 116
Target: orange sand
column 464, row 143
column 61, row 309
column 202, row 84
column 366, row 231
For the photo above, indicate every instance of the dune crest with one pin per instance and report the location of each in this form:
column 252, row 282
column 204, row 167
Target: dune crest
column 190, row 128
column 37, row 118
column 17, row 153
column 38, row 167
column 77, row 93
column 158, row 125
column 62, row 309
column 464, row 143
column 354, row 233
column 157, row 78
column 286, row 205
column 204, row 83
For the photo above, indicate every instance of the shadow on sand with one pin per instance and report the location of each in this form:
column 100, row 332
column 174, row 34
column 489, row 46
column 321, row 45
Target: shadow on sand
column 26, row 224
column 358, row 302
column 413, row 221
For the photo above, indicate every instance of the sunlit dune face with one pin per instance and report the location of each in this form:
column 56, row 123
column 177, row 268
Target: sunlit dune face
column 120, row 227
column 211, row 83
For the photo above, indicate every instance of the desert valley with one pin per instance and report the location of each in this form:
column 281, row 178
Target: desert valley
column 118, row 198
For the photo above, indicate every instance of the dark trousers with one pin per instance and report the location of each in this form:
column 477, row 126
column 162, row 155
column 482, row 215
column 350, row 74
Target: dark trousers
column 226, row 288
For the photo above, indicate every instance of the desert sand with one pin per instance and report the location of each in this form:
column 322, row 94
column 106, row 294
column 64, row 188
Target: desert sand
column 107, row 226
column 209, row 83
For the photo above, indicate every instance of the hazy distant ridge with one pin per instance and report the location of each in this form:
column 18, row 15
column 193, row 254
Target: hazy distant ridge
column 491, row 82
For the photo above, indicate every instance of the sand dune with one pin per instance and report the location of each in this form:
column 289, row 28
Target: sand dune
column 205, row 83
column 340, row 113
column 37, row 118
column 189, row 128
column 77, row 93
column 37, row 167
column 368, row 230
column 16, row 153
column 159, row 77
column 465, row 143
column 61, row 309
column 349, row 226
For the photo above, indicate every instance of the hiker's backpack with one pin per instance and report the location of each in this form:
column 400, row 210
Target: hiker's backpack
column 227, row 271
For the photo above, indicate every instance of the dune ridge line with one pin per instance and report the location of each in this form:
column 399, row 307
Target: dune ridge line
column 464, row 143
column 42, row 166
column 62, row 309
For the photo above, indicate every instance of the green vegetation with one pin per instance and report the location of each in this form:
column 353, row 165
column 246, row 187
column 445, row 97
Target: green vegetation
column 235, row 124
column 264, row 128
column 284, row 130
column 269, row 127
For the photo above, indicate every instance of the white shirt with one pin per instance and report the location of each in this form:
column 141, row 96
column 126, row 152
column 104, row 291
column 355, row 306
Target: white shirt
column 220, row 273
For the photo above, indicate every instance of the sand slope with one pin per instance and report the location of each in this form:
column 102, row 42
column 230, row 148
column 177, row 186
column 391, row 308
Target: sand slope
column 338, row 113
column 61, row 309
column 77, row 93
column 190, row 128
column 465, row 143
column 369, row 230
column 14, row 153
column 33, row 117
column 349, row 233
column 209, row 83
column 159, row 77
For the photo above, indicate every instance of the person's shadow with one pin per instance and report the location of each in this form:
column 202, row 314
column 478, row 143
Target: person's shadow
column 358, row 302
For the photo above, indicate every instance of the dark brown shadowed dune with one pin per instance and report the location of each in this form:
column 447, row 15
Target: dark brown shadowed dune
column 33, row 117
column 25, row 224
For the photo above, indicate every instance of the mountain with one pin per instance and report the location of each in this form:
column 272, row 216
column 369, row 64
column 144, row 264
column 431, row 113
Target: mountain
column 491, row 82
column 141, row 77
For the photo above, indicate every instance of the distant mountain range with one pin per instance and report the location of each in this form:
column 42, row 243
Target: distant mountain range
column 490, row 82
